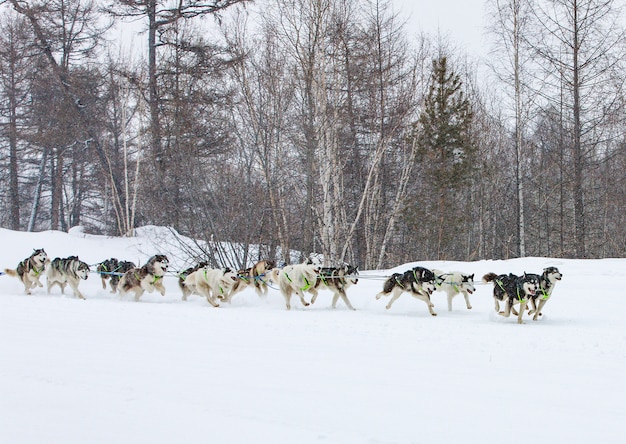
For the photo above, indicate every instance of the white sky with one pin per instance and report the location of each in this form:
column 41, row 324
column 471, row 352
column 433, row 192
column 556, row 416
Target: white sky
column 460, row 21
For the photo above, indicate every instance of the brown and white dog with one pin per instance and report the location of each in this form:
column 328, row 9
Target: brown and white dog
column 258, row 276
column 64, row 271
column 147, row 278
column 212, row 283
column 297, row 279
column 337, row 280
column 30, row 269
column 419, row 282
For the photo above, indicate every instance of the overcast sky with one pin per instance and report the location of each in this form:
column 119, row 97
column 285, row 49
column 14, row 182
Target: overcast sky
column 462, row 21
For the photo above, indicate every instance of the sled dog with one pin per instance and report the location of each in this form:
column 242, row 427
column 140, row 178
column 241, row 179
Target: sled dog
column 112, row 270
column 257, row 276
column 453, row 283
column 212, row 283
column 182, row 277
column 512, row 289
column 147, row 278
column 297, row 279
column 64, row 271
column 547, row 281
column 29, row 270
column 419, row 282
column 337, row 280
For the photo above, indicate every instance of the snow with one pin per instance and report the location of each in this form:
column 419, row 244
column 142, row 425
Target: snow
column 111, row 370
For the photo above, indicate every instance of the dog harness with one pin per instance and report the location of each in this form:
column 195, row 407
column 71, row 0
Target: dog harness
column 306, row 281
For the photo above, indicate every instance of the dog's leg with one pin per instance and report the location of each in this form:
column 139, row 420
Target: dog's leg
column 138, row 292
column 450, row 296
column 160, row 287
column 507, row 309
column 497, row 304
column 104, row 282
column 302, row 300
column 542, row 302
column 467, row 302
column 382, row 293
column 287, row 295
column 395, row 295
column 314, row 292
column 204, row 289
column 430, row 305
column 77, row 293
column 344, row 297
column 522, row 309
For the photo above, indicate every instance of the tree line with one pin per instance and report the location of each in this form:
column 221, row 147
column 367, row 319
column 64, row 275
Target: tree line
column 317, row 126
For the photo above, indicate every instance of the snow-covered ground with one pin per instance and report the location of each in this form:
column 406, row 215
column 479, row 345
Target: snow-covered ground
column 110, row 370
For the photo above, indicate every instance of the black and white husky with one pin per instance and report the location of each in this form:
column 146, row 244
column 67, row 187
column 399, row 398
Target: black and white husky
column 454, row 283
column 112, row 270
column 69, row 270
column 29, row 270
column 337, row 280
column 512, row 289
column 547, row 281
column 147, row 278
column 419, row 282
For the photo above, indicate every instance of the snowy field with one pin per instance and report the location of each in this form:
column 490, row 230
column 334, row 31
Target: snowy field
column 110, row 370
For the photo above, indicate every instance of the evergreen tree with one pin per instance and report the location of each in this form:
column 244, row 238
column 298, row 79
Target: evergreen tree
column 445, row 152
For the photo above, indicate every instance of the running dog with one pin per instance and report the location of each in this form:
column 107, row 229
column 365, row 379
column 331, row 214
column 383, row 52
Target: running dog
column 337, row 280
column 147, row 278
column 419, row 282
column 547, row 281
column 512, row 289
column 297, row 279
column 29, row 270
column 257, row 276
column 182, row 277
column 454, row 283
column 212, row 283
column 64, row 271
column 113, row 269
column 260, row 274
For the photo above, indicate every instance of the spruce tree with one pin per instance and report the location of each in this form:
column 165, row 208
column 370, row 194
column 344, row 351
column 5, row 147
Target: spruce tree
column 445, row 153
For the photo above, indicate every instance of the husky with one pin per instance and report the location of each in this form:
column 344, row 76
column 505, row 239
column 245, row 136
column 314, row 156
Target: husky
column 64, row 271
column 113, row 269
column 182, row 277
column 297, row 279
column 337, row 280
column 212, row 283
column 512, row 289
column 147, row 278
column 260, row 274
column 454, row 283
column 547, row 281
column 29, row 270
column 419, row 282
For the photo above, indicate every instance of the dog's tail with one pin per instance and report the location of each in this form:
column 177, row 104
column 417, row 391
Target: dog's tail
column 391, row 282
column 489, row 277
column 10, row 272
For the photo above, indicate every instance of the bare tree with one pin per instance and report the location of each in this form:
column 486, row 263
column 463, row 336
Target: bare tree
column 582, row 46
column 510, row 27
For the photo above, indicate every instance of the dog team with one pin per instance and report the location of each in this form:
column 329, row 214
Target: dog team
column 530, row 291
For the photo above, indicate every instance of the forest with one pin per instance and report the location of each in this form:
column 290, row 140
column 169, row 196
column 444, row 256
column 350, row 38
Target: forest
column 320, row 126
